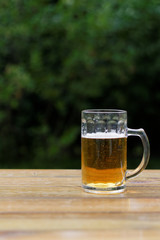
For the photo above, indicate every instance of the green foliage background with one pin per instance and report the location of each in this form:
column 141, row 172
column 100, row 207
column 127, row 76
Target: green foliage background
column 59, row 57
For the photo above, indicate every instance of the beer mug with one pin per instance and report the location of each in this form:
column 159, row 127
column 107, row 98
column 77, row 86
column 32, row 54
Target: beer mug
column 104, row 135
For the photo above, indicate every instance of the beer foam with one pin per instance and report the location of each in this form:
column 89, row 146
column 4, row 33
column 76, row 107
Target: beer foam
column 101, row 135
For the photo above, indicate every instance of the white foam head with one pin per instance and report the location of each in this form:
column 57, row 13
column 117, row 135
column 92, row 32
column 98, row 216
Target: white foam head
column 101, row 135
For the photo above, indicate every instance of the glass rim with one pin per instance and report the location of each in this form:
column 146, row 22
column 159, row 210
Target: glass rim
column 104, row 111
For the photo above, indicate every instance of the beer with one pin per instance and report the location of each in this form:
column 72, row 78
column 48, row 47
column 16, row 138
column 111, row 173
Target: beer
column 104, row 160
column 104, row 150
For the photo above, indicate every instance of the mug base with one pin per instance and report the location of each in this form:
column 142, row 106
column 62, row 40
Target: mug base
column 109, row 190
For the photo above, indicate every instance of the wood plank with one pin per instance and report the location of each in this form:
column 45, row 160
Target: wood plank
column 79, row 205
column 56, row 183
column 79, row 235
column 59, row 192
column 50, row 204
column 50, row 222
column 155, row 174
column 39, row 173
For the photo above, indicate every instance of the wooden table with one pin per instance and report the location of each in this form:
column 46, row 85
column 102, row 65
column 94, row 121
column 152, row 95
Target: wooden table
column 50, row 204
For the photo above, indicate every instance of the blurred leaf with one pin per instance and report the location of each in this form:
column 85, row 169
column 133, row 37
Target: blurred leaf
column 59, row 57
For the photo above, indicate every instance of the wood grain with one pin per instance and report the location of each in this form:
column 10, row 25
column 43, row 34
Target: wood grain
column 50, row 204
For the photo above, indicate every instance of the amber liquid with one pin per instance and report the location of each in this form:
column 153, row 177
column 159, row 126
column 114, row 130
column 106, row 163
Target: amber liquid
column 104, row 161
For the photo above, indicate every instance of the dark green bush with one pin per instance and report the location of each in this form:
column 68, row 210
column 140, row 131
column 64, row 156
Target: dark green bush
column 59, row 57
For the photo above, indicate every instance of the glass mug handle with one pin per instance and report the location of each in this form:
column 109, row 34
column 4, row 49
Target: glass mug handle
column 146, row 151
